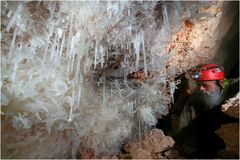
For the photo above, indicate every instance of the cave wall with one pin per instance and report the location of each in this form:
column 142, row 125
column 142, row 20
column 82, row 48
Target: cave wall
column 228, row 53
column 67, row 69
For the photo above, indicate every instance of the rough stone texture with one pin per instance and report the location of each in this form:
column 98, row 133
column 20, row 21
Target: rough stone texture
column 151, row 146
column 230, row 132
column 217, row 47
column 151, row 143
column 227, row 54
column 231, row 107
column 29, row 144
column 173, row 154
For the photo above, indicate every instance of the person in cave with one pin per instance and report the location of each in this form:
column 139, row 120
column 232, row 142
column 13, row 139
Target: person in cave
column 201, row 115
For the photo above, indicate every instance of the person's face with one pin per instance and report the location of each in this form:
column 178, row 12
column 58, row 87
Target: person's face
column 209, row 86
column 209, row 93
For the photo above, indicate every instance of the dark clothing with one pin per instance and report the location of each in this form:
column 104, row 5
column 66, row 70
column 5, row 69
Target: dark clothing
column 197, row 137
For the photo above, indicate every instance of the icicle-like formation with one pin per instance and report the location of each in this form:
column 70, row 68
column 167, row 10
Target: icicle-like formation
column 67, row 74
column 96, row 54
column 177, row 13
column 137, row 45
column 173, row 87
column 166, row 24
column 15, row 16
column 13, row 43
column 144, row 56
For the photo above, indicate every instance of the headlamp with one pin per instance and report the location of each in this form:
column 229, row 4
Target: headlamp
column 195, row 75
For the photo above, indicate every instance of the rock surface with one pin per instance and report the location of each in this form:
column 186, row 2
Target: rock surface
column 152, row 145
column 230, row 132
column 231, row 107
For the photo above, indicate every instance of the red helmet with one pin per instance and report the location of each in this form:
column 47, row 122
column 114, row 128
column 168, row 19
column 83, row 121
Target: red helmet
column 209, row 72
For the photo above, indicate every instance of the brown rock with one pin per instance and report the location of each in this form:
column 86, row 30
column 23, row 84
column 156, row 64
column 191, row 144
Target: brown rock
column 172, row 153
column 137, row 153
column 230, row 134
column 88, row 154
column 231, row 107
column 150, row 144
